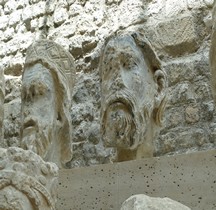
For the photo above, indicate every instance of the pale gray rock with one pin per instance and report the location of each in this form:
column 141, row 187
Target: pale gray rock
column 4, row 21
column 144, row 202
column 60, row 16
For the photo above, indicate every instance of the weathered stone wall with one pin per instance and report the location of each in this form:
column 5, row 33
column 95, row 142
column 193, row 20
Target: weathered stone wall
column 178, row 30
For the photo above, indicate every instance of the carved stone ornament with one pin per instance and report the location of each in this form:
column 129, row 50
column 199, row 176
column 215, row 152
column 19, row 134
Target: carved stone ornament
column 26, row 181
column 2, row 94
column 133, row 95
column 144, row 202
column 47, row 82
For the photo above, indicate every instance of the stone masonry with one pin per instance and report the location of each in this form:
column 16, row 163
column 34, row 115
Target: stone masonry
column 179, row 31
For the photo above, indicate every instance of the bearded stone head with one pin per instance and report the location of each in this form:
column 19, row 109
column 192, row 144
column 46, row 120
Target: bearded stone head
column 133, row 89
column 47, row 82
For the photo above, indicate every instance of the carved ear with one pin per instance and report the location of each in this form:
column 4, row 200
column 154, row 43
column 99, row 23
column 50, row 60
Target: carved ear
column 160, row 78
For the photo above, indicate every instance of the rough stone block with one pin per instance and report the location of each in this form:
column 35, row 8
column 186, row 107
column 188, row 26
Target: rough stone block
column 27, row 13
column 175, row 7
column 3, row 21
column 14, row 18
column 38, row 9
column 10, row 6
column 60, row 16
column 192, row 114
column 177, row 36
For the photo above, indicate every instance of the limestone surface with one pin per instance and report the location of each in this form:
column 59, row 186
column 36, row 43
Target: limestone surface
column 144, row 202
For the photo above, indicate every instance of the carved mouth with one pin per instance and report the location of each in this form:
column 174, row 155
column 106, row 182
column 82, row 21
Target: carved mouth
column 29, row 126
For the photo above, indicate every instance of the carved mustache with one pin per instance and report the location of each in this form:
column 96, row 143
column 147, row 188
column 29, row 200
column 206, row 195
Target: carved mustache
column 30, row 122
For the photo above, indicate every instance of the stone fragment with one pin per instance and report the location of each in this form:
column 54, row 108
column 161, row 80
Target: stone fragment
column 60, row 16
column 14, row 18
column 195, row 4
column 144, row 202
column 209, row 3
column 88, row 45
column 27, row 13
column 192, row 114
column 23, row 184
column 10, row 6
column 175, row 7
column 177, row 36
column 75, row 10
column 38, row 9
column 182, row 93
column 8, row 34
column 4, row 21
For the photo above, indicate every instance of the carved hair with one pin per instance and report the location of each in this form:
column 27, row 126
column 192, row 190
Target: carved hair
column 61, row 65
column 29, row 174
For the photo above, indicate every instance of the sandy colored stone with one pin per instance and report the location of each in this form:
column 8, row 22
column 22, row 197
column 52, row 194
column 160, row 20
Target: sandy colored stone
column 192, row 114
column 144, row 202
column 26, row 181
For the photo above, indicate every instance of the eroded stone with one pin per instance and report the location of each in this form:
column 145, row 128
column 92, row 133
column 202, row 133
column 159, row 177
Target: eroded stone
column 133, row 88
column 48, row 80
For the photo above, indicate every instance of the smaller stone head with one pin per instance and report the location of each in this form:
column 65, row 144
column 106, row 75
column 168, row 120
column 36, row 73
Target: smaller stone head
column 133, row 90
column 26, row 181
column 47, row 83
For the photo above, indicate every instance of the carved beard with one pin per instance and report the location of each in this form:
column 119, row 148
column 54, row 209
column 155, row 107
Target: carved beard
column 119, row 126
column 38, row 141
column 124, row 123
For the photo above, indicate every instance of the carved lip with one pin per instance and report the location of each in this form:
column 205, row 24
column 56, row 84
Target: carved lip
column 29, row 124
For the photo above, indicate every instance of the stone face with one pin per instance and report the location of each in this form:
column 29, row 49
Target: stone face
column 133, row 86
column 26, row 181
column 48, row 80
column 141, row 202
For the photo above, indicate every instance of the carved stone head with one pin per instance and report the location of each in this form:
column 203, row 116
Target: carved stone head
column 26, row 181
column 133, row 92
column 47, row 82
column 2, row 94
